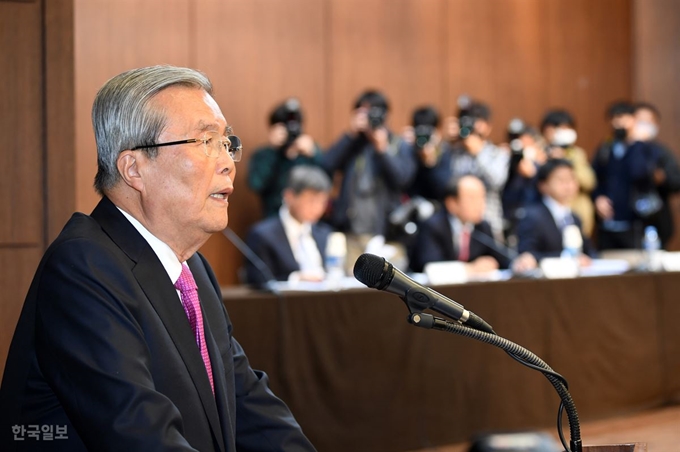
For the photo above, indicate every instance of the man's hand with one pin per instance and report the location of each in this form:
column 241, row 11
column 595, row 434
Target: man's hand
column 303, row 145
column 278, row 134
column 380, row 139
column 524, row 262
column 526, row 168
column 604, row 207
column 358, row 122
column 474, row 144
column 659, row 176
column 483, row 264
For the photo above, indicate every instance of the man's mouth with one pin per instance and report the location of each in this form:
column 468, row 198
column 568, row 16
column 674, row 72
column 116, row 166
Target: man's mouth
column 222, row 194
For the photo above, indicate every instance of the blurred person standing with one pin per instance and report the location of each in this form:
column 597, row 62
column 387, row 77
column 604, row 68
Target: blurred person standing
column 559, row 130
column 666, row 173
column 288, row 147
column 527, row 155
column 377, row 167
column 625, row 196
column 293, row 243
column 429, row 146
column 472, row 153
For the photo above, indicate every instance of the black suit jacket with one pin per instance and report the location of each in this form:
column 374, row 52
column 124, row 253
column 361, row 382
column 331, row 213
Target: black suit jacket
column 269, row 241
column 538, row 234
column 435, row 243
column 103, row 346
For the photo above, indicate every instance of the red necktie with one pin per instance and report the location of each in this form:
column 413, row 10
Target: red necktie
column 192, row 307
column 464, row 246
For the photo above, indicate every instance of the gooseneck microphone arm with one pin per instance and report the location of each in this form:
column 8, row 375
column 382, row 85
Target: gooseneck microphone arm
column 377, row 273
column 270, row 281
column 522, row 355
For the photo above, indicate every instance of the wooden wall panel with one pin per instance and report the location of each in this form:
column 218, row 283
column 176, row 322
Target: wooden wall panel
column 21, row 159
column 266, row 52
column 589, row 61
column 112, row 36
column 18, row 266
column 532, row 55
column 656, row 33
column 397, row 47
column 21, row 125
column 60, row 124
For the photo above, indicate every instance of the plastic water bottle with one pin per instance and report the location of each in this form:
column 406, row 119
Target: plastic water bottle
column 336, row 251
column 572, row 244
column 652, row 246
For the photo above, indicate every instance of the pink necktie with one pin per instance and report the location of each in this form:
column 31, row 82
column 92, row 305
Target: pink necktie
column 189, row 293
column 464, row 251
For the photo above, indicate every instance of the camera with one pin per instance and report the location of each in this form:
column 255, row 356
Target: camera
column 292, row 121
column 466, row 120
column 423, row 133
column 376, row 117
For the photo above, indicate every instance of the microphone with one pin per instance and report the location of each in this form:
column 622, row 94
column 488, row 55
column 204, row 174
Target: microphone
column 377, row 273
column 270, row 281
column 486, row 239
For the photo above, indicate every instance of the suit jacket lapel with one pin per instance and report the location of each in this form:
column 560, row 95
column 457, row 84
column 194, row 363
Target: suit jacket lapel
column 283, row 245
column 154, row 281
column 321, row 241
column 553, row 233
column 449, row 246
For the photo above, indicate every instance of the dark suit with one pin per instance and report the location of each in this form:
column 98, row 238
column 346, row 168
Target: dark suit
column 435, row 243
column 538, row 234
column 269, row 241
column 104, row 347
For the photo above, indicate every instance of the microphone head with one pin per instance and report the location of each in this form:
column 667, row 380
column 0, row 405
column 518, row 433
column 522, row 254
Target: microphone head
column 370, row 269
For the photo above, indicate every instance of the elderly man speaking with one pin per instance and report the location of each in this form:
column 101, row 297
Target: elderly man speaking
column 123, row 343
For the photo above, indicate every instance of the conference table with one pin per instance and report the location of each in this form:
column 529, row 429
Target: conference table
column 358, row 377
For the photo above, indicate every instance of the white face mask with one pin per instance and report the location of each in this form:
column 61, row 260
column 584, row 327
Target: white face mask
column 564, row 137
column 645, row 131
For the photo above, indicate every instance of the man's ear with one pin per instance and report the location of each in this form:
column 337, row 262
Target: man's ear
column 127, row 164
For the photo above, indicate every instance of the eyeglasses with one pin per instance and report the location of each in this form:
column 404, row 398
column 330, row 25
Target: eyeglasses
column 213, row 144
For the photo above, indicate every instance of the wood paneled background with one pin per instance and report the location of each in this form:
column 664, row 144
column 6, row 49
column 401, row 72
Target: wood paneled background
column 521, row 56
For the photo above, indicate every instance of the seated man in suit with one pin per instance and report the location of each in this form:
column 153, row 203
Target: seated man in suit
column 540, row 232
column 458, row 233
column 293, row 243
column 123, row 342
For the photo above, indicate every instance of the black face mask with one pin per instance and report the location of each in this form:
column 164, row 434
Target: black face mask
column 620, row 134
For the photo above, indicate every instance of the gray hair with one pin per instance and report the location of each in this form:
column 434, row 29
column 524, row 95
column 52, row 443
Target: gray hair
column 306, row 177
column 122, row 115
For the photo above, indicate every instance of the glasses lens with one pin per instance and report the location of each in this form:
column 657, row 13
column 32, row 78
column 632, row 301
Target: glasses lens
column 235, row 148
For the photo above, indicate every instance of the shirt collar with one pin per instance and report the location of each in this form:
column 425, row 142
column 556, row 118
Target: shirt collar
column 292, row 226
column 458, row 226
column 557, row 210
column 168, row 258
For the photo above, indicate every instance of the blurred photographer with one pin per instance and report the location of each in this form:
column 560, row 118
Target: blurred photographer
column 627, row 170
column 472, row 153
column 377, row 168
column 429, row 146
column 666, row 173
column 527, row 155
column 559, row 131
column 288, row 147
